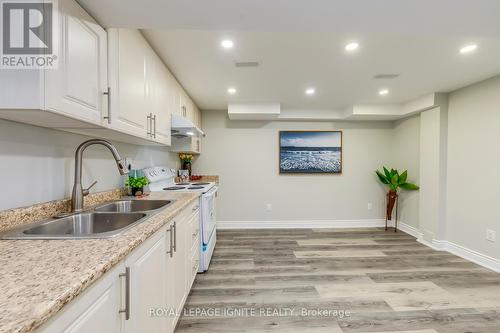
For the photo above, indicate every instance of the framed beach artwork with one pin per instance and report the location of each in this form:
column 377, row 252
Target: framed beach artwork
column 310, row 152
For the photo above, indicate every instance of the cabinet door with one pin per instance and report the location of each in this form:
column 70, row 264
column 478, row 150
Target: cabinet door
column 176, row 96
column 178, row 265
column 147, row 286
column 96, row 310
column 127, row 73
column 171, row 281
column 185, row 103
column 76, row 87
column 197, row 116
column 193, row 249
column 159, row 98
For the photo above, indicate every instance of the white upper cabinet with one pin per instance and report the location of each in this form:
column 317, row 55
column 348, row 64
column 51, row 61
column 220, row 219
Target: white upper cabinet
column 128, row 110
column 74, row 89
column 188, row 108
column 160, row 99
column 109, row 84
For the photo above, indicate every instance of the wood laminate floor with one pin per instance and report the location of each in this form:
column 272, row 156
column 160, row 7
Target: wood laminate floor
column 339, row 281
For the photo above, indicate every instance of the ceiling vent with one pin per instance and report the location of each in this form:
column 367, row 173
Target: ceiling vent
column 247, row 64
column 385, row 76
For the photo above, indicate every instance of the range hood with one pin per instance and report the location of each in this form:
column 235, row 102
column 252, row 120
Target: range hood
column 182, row 128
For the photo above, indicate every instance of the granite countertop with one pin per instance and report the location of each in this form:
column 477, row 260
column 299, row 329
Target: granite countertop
column 38, row 277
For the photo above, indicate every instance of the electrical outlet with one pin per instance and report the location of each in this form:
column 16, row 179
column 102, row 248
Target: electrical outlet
column 269, row 207
column 491, row 235
column 370, row 206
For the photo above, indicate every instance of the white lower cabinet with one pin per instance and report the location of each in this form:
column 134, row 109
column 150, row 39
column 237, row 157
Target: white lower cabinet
column 145, row 292
column 146, row 287
column 95, row 310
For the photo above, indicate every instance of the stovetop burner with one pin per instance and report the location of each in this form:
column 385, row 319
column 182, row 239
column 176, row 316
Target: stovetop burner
column 174, row 188
column 195, row 187
column 200, row 184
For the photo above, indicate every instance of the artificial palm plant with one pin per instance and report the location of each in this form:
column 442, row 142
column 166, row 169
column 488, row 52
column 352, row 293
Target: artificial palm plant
column 394, row 181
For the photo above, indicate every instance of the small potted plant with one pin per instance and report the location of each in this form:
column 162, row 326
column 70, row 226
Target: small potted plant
column 136, row 184
column 394, row 181
column 186, row 160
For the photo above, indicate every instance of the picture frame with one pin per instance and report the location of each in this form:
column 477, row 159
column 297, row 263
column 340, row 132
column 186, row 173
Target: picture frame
column 310, row 152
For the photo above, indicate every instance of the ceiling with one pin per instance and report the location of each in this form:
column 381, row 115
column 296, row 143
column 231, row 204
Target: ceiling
column 300, row 44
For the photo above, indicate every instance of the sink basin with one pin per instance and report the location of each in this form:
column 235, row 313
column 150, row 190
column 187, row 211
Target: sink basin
column 126, row 206
column 82, row 225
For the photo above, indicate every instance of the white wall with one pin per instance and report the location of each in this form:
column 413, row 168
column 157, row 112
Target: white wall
column 430, row 166
column 474, row 166
column 406, row 156
column 245, row 155
column 37, row 164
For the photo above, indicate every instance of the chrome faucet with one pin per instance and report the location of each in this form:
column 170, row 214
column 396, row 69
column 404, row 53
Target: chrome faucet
column 78, row 191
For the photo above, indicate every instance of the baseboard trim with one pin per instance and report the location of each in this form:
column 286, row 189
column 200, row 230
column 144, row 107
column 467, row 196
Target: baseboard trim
column 301, row 224
column 410, row 230
column 468, row 254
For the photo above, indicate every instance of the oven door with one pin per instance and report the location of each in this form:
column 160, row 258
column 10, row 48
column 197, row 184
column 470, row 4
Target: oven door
column 208, row 214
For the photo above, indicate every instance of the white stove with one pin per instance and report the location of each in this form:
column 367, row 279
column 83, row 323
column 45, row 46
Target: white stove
column 163, row 179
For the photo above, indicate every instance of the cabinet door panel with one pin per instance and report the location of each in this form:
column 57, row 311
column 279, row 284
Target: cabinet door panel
column 159, row 98
column 97, row 317
column 96, row 310
column 82, row 62
column 147, row 287
column 76, row 87
column 127, row 67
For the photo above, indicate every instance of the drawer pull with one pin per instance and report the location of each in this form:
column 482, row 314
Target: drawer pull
column 127, row 293
column 171, row 243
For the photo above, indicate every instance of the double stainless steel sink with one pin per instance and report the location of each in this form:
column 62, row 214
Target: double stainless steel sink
column 106, row 220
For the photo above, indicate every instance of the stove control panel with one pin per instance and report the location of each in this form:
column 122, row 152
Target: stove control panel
column 155, row 174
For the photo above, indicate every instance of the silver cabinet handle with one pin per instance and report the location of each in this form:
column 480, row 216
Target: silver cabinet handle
column 171, row 243
column 148, row 124
column 108, row 94
column 127, row 293
column 175, row 236
column 154, row 126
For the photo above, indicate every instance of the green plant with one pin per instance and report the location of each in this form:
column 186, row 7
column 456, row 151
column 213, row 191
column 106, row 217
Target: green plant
column 394, row 180
column 185, row 157
column 136, row 182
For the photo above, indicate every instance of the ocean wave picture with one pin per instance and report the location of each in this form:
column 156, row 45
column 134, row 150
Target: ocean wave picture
column 310, row 152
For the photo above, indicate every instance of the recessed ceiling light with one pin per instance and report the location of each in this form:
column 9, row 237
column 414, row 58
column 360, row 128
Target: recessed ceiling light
column 231, row 91
column 383, row 92
column 227, row 44
column 352, row 47
column 310, row 91
column 468, row 48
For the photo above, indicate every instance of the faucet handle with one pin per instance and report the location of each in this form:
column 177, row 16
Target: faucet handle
column 87, row 190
